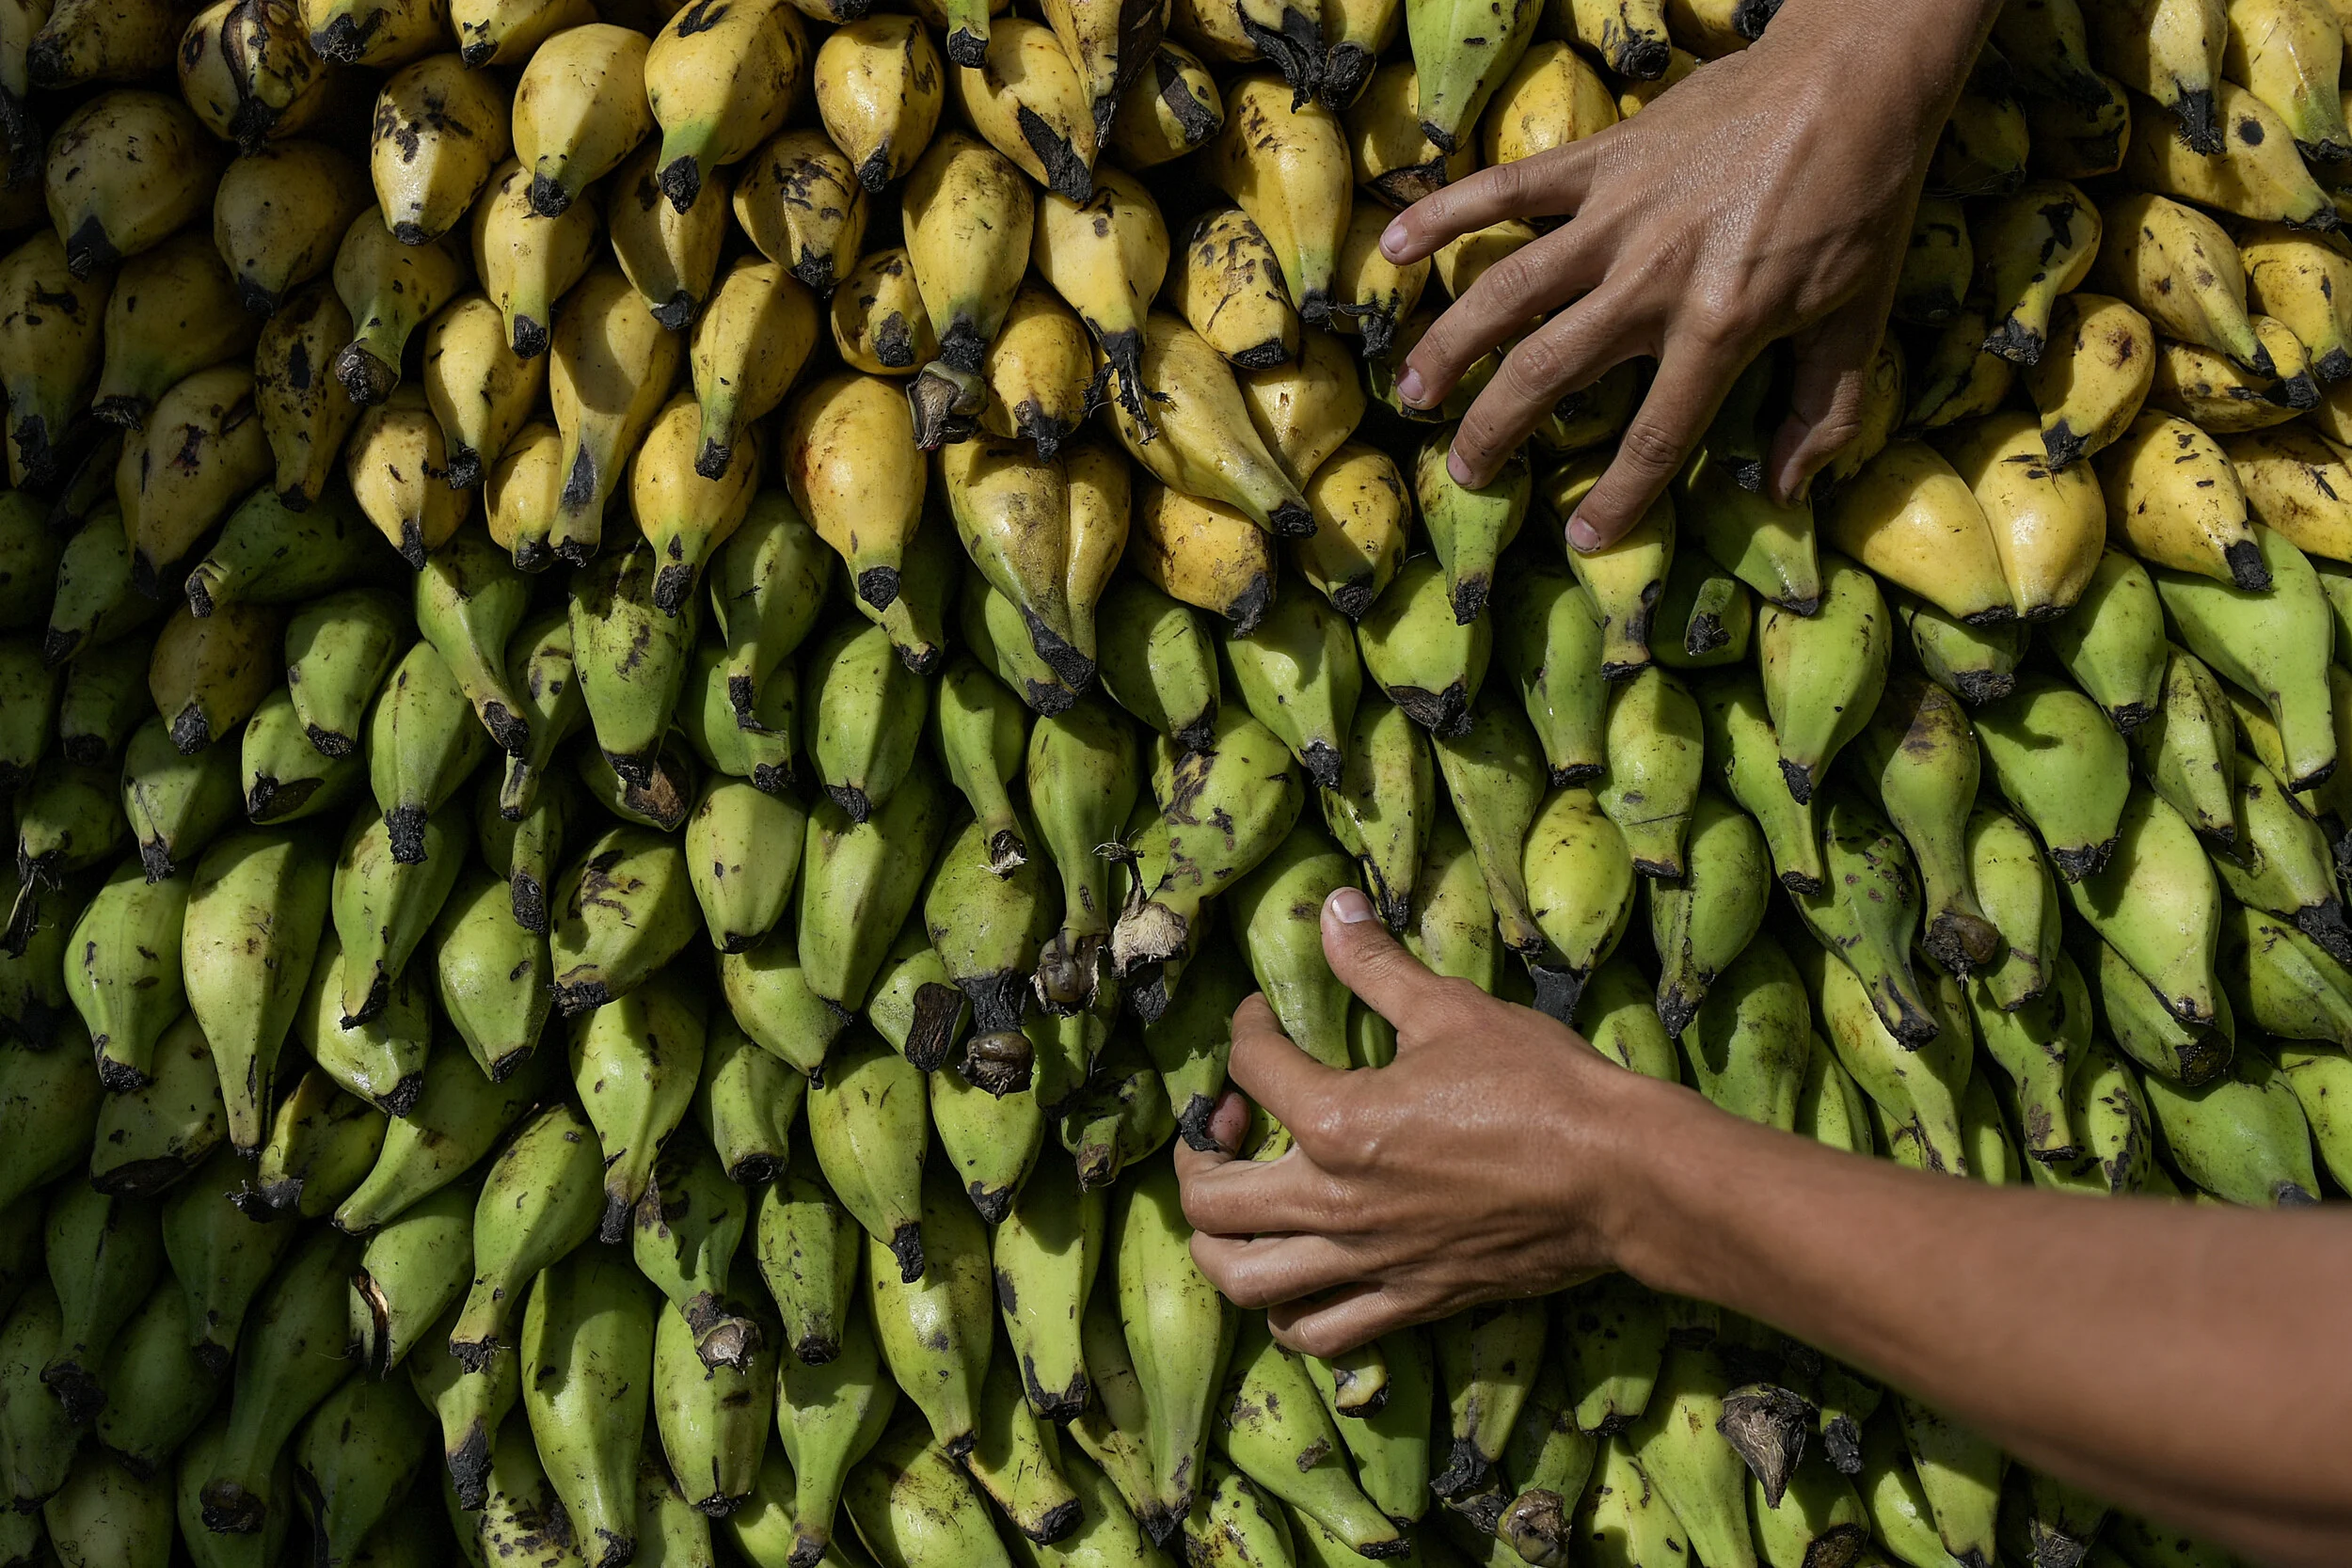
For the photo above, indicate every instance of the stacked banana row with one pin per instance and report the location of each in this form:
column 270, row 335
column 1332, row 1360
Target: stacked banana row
column 634, row 1008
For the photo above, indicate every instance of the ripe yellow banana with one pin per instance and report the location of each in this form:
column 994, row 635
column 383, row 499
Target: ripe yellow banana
column 2173, row 500
column 1370, row 293
column 1171, row 107
column 480, row 391
column 2306, row 283
column 1390, row 156
column 526, row 262
column 1362, row 520
column 851, row 462
column 305, row 412
column 1040, row 372
column 2094, row 375
column 720, row 79
column 801, row 204
column 2289, row 54
column 610, row 370
column 2049, row 525
column 748, row 345
column 1204, row 443
column 508, row 32
column 1551, row 97
column 278, row 214
column 1205, row 554
column 1306, row 409
column 1288, row 168
column 669, row 256
column 1226, row 282
column 52, row 348
column 968, row 220
column 1024, row 96
column 199, row 450
column 2079, row 141
column 1111, row 45
column 439, row 132
column 2031, row 247
column 2291, row 477
column 398, row 465
column 879, row 84
column 173, row 312
column 1108, row 254
column 879, row 324
column 2175, row 266
column 1908, row 517
column 249, row 73
column 2169, row 50
column 125, row 171
column 379, row 33
column 579, row 109
column 2256, row 173
column 2220, row 398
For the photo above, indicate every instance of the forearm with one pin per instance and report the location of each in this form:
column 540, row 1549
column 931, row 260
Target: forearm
column 2184, row 1362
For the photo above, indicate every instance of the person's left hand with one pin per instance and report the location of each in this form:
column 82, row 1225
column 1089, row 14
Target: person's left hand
column 1476, row 1165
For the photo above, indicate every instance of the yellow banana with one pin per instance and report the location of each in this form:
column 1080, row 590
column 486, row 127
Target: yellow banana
column 1205, row 445
column 579, row 109
column 719, row 80
column 2092, row 377
column 526, row 262
column 1288, row 168
column 968, row 220
column 1024, row 95
column 851, row 462
column 801, row 204
column 2256, row 173
column 610, row 370
column 1107, row 256
column 278, row 214
column 880, row 82
column 748, row 345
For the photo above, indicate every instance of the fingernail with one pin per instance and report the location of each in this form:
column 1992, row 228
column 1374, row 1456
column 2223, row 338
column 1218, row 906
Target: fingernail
column 1348, row 906
column 1409, row 386
column 1581, row 536
column 1457, row 465
column 1392, row 239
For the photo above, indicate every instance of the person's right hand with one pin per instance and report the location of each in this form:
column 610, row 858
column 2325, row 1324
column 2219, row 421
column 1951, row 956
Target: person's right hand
column 1769, row 195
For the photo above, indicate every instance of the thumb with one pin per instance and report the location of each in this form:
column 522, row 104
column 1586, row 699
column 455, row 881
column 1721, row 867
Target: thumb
column 1373, row 964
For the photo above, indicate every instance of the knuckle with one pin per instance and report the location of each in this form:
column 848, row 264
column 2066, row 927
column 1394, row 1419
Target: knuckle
column 1537, row 369
column 1649, row 449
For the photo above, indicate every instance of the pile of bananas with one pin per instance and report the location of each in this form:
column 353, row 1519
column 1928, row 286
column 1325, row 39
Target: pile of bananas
column 623, row 989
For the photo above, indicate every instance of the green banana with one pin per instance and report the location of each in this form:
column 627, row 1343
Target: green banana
column 469, row 603
column 491, row 973
column 2241, row 1136
column 2055, row 757
column 1703, row 922
column 540, row 1201
column 251, row 940
column 869, row 1124
column 2112, row 641
column 629, row 658
column 456, row 1121
column 1045, row 1256
column 687, row 1231
column 1156, row 662
column 635, row 1063
column 1747, row 1048
column 2157, row 905
column 323, row 1140
column 219, row 1255
column 935, row 1325
column 746, row 1103
column 295, row 1353
column 384, row 906
column 807, row 1249
column 979, row 729
column 990, row 1140
column 988, row 930
column 713, row 1419
column 1918, row 754
column 338, row 651
column 859, row 880
column 1179, row 1333
column 177, row 804
column 1487, row 1361
column 539, row 672
column 2275, row 644
column 1084, row 775
column 1823, row 672
column 587, row 1369
column 1384, row 805
column 621, row 912
column 1744, row 749
column 123, row 969
column 1656, row 757
column 1275, row 1430
column 356, row 1458
column 1580, row 884
column 411, row 1273
column 1469, row 530
column 1421, row 658
column 285, row 778
column 150, row 1137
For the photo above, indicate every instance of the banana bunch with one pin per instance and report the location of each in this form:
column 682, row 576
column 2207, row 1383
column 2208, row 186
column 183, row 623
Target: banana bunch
column 654, row 713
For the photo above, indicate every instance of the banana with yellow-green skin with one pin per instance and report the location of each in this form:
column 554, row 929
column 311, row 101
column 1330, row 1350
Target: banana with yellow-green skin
column 2275, row 644
column 799, row 202
column 279, row 212
column 910, row 1500
column 469, row 603
column 1247, row 777
column 1624, row 580
column 1580, row 880
column 1202, row 552
column 1012, row 511
column 1469, row 529
column 398, row 465
column 1275, row 1430
column 684, row 513
column 2095, row 374
column 1765, row 545
column 2036, row 1045
column 1868, row 914
column 1371, row 294
column 439, row 132
column 490, row 973
column 1824, row 673
column 670, row 257
column 419, row 748
column 270, row 553
column 480, row 392
column 305, row 412
column 249, row 73
column 1298, row 674
column 852, row 464
column 173, row 312
column 1460, row 58
column 610, row 373
column 1226, row 283
column 123, row 975
column 321, row 1143
column 1307, row 407
column 1288, row 169
column 356, row 1457
column 2216, row 395
column 1550, row 642
column 1746, row 1047
column 746, row 1103
column 1421, row 658
column 1705, row 616
column 207, row 676
column 1039, row 371
column 51, row 345
column 748, row 344
column 298, row 1356
column 199, row 448
column 2283, row 864
column 2254, row 173
column 807, row 1247
column 1450, row 926
column 123, row 171
column 2015, row 892
column 935, row 1324
column 1277, row 910
column 720, row 83
column 91, row 602
column 2172, row 50
column 248, row 987
column 2294, row 277
column 1919, row 756
column 63, row 46
column 112, row 1508
column 1384, row 804
column 1911, row 518
column 879, row 86
column 1493, row 773
column 1180, row 1334
column 1084, row 776
column 988, row 928
column 390, row 290
column 2282, row 981
column 1653, row 744
column 1021, row 90
column 1703, row 922
column 579, row 109
column 220, row 1256
column 587, row 1367
column 2176, row 267
column 1551, row 97
column 1156, row 661
column 712, row 1421
column 339, row 650
column 1202, row 441
column 539, row 1201
column 36, row 1449
column 980, row 730
column 380, row 33
column 1045, row 1254
column 525, row 262
column 157, row 1134
column 2156, row 902
column 1917, row 1090
column 102, row 1254
column 631, row 658
column 380, row 1058
column 2031, row 247
column 868, row 1122
column 2289, row 58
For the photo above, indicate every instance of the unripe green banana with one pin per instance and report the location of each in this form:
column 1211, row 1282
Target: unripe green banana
column 742, row 855
column 629, row 658
column 338, row 651
column 1705, row 618
column 1960, row 1474
column 92, row 603
column 993, row 625
column 1232, row 1521
column 1823, row 672
column 1156, row 662
column 470, row 1406
column 380, row 1059
column 296, row 1352
column 220, row 1254
column 988, row 931
column 635, row 1062
column 1113, row 1430
column 123, row 969
column 37, row 1437
column 208, row 676
column 772, row 1001
column 158, row 1390
column 869, row 718
column 322, row 1142
column 1276, row 1431
column 249, row 990
column 587, row 1369
column 149, row 1137
column 687, row 1230
column 1298, row 674
column 746, row 1103
column 1192, row 1037
column 1548, row 639
column 1015, row 1462
column 1547, row 1464
column 68, row 820
column 808, row 1250
column 2112, row 641
column 2241, row 1136
column 713, row 1418
column 766, row 587
column 456, row 1120
column 103, row 700
column 1250, row 779
column 269, row 553
column 539, row 1202
column 1869, row 914
column 935, row 1325
column 2282, row 865
column 384, row 906
column 2274, row 645
column 175, row 803
column 411, row 1273
column 1180, row 1333
column 491, row 973
column 1976, row 664
column 625, row 910
column 1918, row 1089
column 1700, row 924
column 1656, row 759
column 523, row 1519
column 111, row 1510
column 2156, row 904
column 763, row 752
column 1277, row 911
column 1579, row 878
column 1487, row 1361
column 1920, row 755
column 1120, row 1117
column 2143, row 1025
column 1083, row 774
column 860, row 880
column 2017, row 894
column 103, row 1253
column 207, row 1548
column 980, row 730
column 539, row 670
column 1384, row 804
column 1046, row 1252
column 910, row 1502
column 1612, row 1356
column 356, row 1458
column 1419, row 656
column 1469, row 530
column 2036, row 1044
column 1679, row 1451
column 869, row 1123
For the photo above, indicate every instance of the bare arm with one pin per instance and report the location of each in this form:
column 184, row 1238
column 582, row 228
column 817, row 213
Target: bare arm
column 1768, row 195
column 2189, row 1363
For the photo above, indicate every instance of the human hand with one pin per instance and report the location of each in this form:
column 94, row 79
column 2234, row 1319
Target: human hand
column 1476, row 1165
column 1768, row 195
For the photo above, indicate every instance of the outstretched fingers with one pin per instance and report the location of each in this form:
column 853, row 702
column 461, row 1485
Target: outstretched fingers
column 1508, row 298
column 1689, row 387
column 1549, row 184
